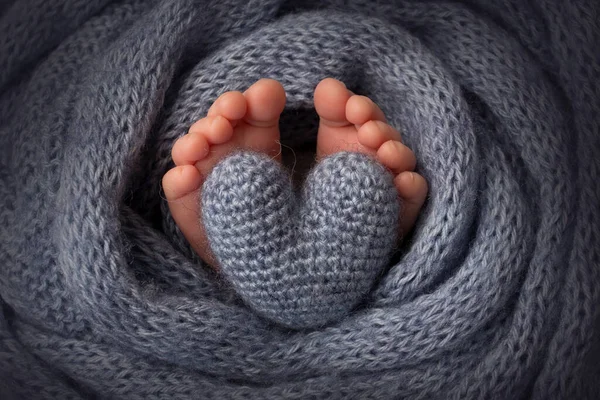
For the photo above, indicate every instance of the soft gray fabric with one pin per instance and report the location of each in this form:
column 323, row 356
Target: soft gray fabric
column 303, row 263
column 495, row 295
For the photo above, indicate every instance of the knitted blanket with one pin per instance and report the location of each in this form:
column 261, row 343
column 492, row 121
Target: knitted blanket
column 494, row 295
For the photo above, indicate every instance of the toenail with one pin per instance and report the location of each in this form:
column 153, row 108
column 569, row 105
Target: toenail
column 408, row 177
column 214, row 120
column 368, row 100
column 381, row 125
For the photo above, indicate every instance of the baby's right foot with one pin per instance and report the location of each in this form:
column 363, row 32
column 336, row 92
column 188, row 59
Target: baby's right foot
column 235, row 121
column 355, row 123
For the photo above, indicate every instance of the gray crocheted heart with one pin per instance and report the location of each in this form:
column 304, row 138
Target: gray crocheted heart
column 301, row 262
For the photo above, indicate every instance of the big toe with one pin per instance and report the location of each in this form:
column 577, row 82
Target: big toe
column 330, row 100
column 265, row 102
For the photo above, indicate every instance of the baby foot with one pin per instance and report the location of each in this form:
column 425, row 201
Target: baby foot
column 236, row 120
column 350, row 122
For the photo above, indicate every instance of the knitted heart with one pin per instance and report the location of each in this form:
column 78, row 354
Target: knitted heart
column 301, row 262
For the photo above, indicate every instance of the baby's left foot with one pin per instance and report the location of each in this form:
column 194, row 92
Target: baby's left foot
column 235, row 121
column 355, row 123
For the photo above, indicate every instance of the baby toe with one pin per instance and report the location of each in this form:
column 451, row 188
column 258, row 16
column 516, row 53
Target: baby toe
column 361, row 109
column 330, row 100
column 375, row 133
column 180, row 181
column 396, row 156
column 190, row 149
column 231, row 105
column 265, row 102
column 412, row 189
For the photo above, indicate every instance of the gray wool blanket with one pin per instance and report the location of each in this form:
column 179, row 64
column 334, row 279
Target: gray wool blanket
column 494, row 295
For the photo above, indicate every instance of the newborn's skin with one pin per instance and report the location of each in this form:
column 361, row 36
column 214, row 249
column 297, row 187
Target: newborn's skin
column 250, row 120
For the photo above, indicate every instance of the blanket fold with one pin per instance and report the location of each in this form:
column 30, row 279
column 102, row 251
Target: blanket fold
column 495, row 295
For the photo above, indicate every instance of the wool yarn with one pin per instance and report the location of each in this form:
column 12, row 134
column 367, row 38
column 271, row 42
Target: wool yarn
column 494, row 295
column 304, row 263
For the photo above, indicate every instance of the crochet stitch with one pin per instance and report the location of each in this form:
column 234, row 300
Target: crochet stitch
column 495, row 294
column 308, row 265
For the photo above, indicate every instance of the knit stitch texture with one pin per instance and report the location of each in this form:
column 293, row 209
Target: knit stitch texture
column 495, row 295
column 308, row 263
